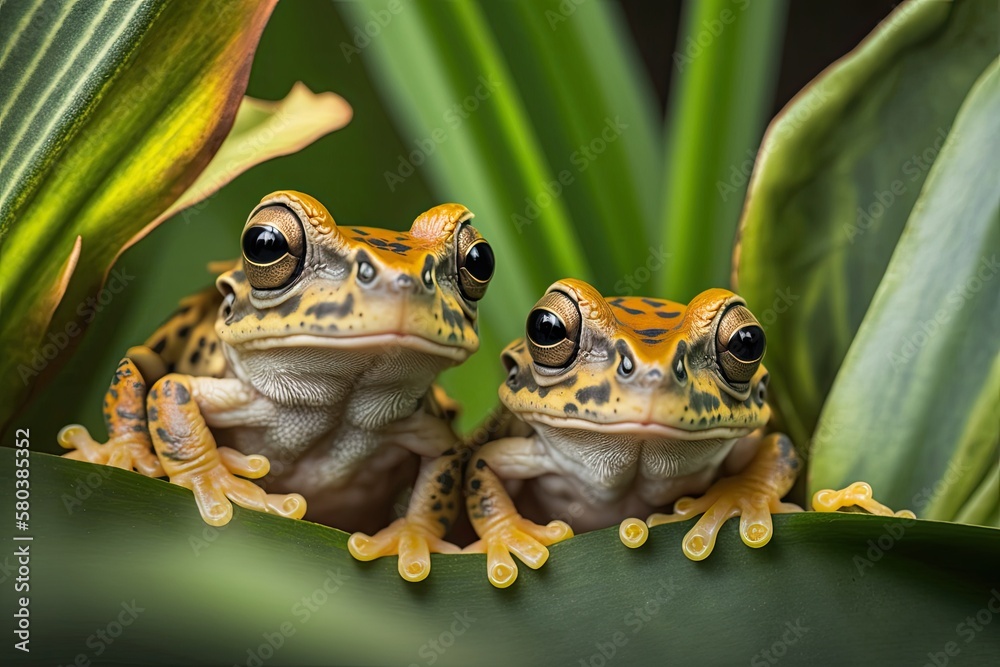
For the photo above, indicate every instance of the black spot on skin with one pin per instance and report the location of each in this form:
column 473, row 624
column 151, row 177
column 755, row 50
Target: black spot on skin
column 154, row 394
column 443, row 520
column 139, row 428
column 652, row 302
column 195, row 357
column 166, row 437
column 703, row 401
column 159, row 346
column 436, row 506
column 452, row 338
column 600, row 394
column 402, row 238
column 451, row 316
column 447, row 482
column 168, row 389
column 113, row 392
column 359, row 232
column 480, row 464
column 125, row 414
column 137, row 386
column 154, row 414
column 184, row 331
column 651, row 333
column 617, row 303
column 571, row 409
column 201, row 342
column 211, row 348
column 183, row 395
column 651, row 341
column 289, row 306
column 399, row 248
column 475, row 484
column 346, row 307
column 238, row 277
column 667, row 314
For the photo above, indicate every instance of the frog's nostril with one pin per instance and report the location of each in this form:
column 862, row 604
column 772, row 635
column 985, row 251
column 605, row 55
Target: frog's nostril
column 405, row 282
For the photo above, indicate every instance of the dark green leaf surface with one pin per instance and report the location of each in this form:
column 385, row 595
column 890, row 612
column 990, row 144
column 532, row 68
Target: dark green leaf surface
column 859, row 590
column 113, row 110
column 914, row 409
column 838, row 175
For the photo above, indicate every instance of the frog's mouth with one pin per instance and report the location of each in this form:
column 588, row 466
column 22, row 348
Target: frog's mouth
column 383, row 343
column 642, row 429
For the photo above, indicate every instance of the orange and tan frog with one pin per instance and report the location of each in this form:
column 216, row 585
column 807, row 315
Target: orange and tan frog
column 621, row 406
column 318, row 351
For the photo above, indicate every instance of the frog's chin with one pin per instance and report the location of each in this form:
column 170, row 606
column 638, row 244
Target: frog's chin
column 382, row 343
column 642, row 429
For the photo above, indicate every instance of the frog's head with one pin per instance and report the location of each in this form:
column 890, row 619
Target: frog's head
column 646, row 368
column 304, row 282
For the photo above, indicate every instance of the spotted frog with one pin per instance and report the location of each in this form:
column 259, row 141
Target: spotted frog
column 312, row 360
column 619, row 407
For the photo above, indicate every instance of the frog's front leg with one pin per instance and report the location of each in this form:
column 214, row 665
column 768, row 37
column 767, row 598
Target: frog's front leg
column 500, row 527
column 753, row 494
column 128, row 446
column 177, row 406
column 434, row 502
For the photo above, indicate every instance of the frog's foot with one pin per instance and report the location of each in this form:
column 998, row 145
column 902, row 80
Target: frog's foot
column 410, row 540
column 753, row 495
column 525, row 538
column 127, row 451
column 858, row 494
column 214, row 481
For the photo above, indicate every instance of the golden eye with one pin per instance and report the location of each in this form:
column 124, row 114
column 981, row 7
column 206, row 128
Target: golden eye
column 553, row 330
column 739, row 345
column 273, row 247
column 475, row 263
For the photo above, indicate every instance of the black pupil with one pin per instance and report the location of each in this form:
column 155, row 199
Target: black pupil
column 263, row 244
column 747, row 344
column 545, row 328
column 479, row 261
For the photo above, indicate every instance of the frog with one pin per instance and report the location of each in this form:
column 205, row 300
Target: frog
column 312, row 362
column 623, row 406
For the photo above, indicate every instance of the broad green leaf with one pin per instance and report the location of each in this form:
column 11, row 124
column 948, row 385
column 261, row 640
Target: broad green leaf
column 914, row 408
column 113, row 110
column 837, row 176
column 262, row 130
column 494, row 120
column 725, row 66
column 845, row 589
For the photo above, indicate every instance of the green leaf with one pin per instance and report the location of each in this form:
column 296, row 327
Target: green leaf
column 114, row 110
column 725, row 70
column 914, row 408
column 837, row 177
column 103, row 538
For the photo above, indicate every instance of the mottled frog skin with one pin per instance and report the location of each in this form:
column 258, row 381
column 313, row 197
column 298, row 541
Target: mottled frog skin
column 313, row 359
column 619, row 407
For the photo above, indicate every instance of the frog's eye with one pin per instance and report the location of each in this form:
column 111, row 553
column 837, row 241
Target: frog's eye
column 740, row 346
column 475, row 263
column 273, row 247
column 553, row 330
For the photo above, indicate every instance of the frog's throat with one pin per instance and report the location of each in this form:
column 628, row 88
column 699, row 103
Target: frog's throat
column 375, row 343
column 645, row 429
